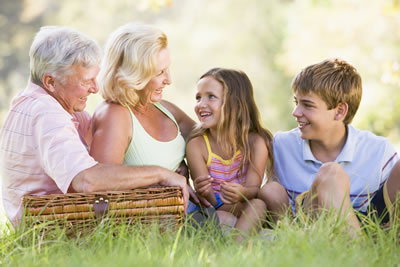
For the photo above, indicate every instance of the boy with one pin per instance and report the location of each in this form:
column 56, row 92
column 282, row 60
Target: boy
column 325, row 162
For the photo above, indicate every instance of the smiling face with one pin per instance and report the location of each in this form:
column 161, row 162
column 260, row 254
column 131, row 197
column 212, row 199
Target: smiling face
column 72, row 93
column 315, row 121
column 209, row 100
column 162, row 78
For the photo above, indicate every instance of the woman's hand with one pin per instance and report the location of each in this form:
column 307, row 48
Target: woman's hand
column 232, row 193
column 174, row 179
column 202, row 184
column 183, row 170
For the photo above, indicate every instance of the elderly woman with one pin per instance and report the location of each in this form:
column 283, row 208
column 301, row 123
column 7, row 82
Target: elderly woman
column 134, row 126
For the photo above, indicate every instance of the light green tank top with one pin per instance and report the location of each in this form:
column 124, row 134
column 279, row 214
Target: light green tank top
column 145, row 150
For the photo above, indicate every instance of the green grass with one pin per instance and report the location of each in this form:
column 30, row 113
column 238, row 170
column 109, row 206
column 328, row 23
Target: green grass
column 292, row 243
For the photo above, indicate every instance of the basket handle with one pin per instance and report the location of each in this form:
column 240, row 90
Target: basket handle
column 100, row 206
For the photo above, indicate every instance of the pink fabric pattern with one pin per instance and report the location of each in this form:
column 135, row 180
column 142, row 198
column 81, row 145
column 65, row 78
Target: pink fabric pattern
column 41, row 148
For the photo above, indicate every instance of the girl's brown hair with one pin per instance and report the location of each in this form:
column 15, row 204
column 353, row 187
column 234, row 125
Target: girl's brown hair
column 239, row 116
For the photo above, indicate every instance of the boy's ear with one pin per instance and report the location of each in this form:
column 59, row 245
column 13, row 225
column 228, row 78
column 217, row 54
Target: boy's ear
column 48, row 82
column 341, row 111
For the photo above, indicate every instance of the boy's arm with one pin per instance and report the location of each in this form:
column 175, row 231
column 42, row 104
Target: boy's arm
column 233, row 192
column 196, row 155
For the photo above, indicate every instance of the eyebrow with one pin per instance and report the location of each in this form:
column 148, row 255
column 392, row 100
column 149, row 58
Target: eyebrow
column 304, row 100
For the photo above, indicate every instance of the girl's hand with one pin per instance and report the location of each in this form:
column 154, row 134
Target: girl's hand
column 204, row 202
column 232, row 193
column 202, row 184
column 198, row 200
column 192, row 196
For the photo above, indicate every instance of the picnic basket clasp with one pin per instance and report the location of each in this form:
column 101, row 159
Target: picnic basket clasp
column 100, row 206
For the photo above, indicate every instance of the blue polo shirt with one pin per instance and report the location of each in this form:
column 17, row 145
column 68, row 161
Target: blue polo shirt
column 368, row 160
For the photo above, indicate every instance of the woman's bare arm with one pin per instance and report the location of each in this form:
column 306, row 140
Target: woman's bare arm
column 112, row 133
column 185, row 123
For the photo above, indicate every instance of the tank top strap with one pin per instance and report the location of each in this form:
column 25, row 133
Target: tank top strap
column 166, row 112
column 208, row 148
column 134, row 119
column 145, row 150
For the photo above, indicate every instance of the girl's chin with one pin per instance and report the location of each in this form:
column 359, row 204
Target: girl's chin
column 204, row 125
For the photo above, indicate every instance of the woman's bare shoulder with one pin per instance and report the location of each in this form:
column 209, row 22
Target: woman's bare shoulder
column 107, row 110
column 110, row 115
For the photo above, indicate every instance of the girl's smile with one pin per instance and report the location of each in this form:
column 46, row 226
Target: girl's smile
column 209, row 99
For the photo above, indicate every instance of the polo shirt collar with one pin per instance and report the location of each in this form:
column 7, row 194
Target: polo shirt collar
column 34, row 89
column 347, row 153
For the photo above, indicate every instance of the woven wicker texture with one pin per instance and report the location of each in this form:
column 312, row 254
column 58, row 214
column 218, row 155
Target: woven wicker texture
column 163, row 205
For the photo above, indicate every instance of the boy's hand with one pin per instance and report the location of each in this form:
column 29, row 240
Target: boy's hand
column 202, row 184
column 231, row 193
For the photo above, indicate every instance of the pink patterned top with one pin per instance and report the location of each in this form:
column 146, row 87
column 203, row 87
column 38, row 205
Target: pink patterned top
column 41, row 148
column 222, row 170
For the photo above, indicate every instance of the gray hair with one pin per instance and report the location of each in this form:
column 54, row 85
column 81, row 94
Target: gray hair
column 55, row 49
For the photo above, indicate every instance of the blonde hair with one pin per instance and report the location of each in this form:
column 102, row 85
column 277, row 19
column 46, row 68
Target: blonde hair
column 130, row 62
column 55, row 49
column 335, row 81
column 239, row 117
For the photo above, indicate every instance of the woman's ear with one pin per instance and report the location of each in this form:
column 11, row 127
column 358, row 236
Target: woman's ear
column 341, row 111
column 48, row 82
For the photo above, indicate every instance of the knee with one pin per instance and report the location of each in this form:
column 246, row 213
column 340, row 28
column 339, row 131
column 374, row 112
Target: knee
column 331, row 176
column 258, row 205
column 255, row 207
column 273, row 194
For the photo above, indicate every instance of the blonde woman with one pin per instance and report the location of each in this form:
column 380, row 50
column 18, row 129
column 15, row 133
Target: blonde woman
column 134, row 126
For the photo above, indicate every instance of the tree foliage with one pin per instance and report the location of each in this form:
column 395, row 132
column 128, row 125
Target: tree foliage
column 270, row 40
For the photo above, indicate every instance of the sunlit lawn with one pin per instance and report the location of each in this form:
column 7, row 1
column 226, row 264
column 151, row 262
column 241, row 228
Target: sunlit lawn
column 292, row 243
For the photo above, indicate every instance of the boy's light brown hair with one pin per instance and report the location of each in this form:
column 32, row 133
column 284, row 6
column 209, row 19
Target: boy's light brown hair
column 335, row 81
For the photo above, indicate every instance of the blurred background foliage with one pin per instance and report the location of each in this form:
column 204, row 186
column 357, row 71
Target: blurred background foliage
column 270, row 40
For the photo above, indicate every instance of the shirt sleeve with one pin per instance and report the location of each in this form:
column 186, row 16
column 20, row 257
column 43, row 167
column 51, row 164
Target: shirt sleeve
column 84, row 120
column 390, row 158
column 277, row 156
column 61, row 151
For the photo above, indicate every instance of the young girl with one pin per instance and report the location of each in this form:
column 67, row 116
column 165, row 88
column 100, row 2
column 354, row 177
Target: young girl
column 228, row 152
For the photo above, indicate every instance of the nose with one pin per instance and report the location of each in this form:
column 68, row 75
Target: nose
column 167, row 80
column 297, row 111
column 94, row 87
column 202, row 102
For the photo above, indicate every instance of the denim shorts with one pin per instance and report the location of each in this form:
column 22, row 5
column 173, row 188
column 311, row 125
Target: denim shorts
column 193, row 207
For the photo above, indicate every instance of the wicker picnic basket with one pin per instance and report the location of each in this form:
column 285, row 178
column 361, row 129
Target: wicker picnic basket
column 77, row 211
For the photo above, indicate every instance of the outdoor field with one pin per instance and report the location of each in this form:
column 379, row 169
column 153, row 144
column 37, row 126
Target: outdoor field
column 271, row 41
column 292, row 243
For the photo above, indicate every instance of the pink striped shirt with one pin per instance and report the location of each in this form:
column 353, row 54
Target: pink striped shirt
column 41, row 148
column 224, row 170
